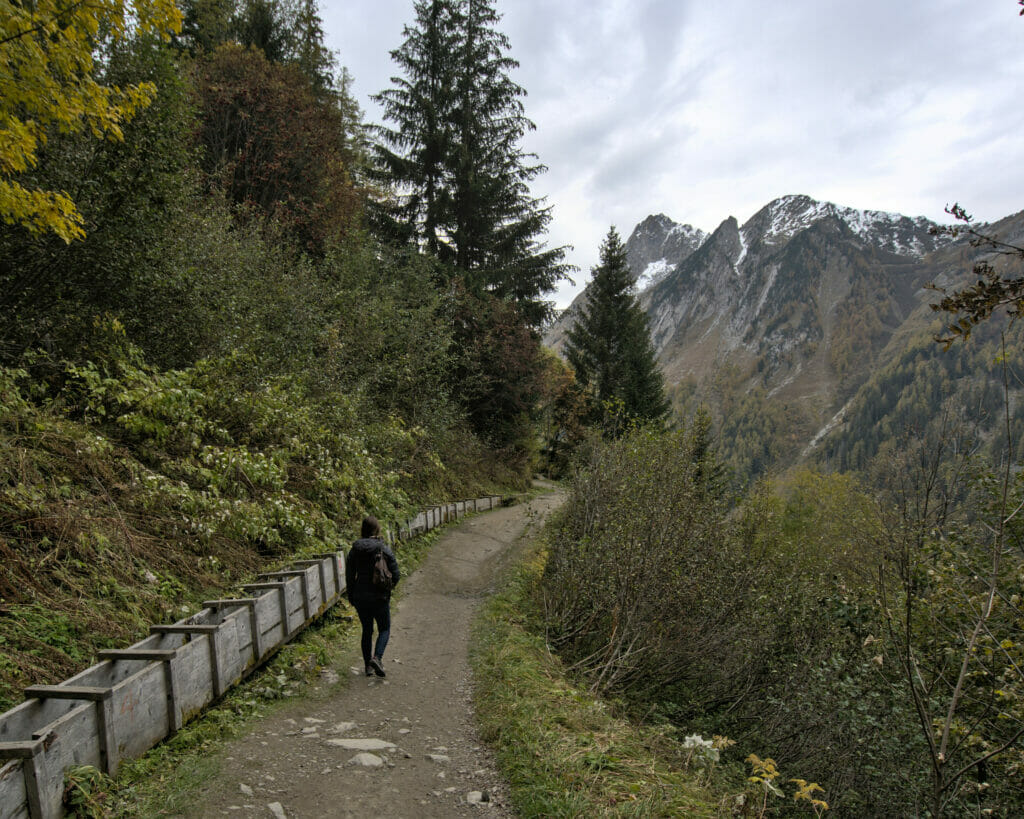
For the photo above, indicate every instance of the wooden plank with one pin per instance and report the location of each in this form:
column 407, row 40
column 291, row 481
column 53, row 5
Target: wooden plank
column 303, row 591
column 268, row 617
column 68, row 692
column 163, row 656
column 234, row 646
column 192, row 681
column 337, row 561
column 255, row 637
column 148, row 655
column 325, row 595
column 292, row 607
column 104, row 714
column 74, row 739
column 194, row 676
column 282, row 608
column 298, row 598
column 33, row 720
column 229, row 602
column 321, row 568
column 19, row 750
column 102, row 675
column 225, row 645
column 139, row 714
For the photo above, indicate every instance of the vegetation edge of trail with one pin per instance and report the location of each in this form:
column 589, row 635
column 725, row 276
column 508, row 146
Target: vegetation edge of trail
column 563, row 751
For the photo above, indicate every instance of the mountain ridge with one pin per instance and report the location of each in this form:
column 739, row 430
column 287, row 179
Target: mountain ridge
column 791, row 313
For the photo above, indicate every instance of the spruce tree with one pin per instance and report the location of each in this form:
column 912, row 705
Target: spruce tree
column 609, row 347
column 311, row 54
column 412, row 159
column 454, row 160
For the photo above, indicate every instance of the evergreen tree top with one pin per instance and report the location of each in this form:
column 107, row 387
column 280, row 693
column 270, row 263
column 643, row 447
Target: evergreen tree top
column 451, row 159
column 609, row 347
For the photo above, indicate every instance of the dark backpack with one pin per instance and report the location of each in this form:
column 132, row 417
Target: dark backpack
column 381, row 573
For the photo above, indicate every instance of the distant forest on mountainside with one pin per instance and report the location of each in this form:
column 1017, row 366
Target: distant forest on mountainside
column 808, row 333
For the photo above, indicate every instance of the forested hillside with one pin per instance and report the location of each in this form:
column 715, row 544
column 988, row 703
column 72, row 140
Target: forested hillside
column 228, row 329
column 235, row 318
column 808, row 332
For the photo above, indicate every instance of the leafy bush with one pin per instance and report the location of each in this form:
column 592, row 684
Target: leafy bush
column 756, row 623
column 626, row 588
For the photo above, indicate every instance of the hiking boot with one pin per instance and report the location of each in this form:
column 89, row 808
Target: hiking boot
column 378, row 669
column 369, row 671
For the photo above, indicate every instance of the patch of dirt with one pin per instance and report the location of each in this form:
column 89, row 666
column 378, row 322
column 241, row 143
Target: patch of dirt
column 421, row 755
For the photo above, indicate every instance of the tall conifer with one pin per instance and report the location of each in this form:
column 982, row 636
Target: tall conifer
column 609, row 347
column 454, row 159
column 412, row 157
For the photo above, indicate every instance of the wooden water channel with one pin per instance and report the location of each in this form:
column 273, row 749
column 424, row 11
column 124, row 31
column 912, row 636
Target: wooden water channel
column 136, row 697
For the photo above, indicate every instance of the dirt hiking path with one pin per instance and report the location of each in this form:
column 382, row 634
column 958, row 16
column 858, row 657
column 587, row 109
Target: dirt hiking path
column 404, row 746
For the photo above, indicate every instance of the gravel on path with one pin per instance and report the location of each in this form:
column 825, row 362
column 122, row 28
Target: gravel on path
column 404, row 746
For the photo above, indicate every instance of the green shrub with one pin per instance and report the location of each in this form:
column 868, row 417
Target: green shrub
column 758, row 622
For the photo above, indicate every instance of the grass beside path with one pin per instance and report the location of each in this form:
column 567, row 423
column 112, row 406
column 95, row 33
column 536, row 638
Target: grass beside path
column 562, row 751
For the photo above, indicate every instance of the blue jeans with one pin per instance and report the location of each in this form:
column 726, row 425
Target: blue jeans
column 371, row 611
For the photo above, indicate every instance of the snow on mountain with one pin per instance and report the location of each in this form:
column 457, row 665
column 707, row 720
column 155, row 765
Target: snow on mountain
column 653, row 273
column 657, row 245
column 786, row 216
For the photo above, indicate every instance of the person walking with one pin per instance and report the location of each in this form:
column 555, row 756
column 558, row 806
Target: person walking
column 372, row 602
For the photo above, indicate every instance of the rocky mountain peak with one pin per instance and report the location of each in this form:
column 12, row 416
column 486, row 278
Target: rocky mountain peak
column 657, row 245
column 783, row 218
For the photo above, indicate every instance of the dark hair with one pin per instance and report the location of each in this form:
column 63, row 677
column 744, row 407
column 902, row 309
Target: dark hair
column 371, row 528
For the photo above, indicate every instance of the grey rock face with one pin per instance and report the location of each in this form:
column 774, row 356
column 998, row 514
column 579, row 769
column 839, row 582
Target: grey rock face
column 657, row 245
column 653, row 250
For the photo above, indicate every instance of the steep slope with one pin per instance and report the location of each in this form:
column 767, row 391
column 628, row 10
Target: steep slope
column 657, row 245
column 776, row 325
column 808, row 332
column 777, row 294
column 922, row 389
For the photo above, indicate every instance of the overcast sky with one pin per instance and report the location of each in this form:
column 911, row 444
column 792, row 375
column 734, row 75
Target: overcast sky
column 704, row 109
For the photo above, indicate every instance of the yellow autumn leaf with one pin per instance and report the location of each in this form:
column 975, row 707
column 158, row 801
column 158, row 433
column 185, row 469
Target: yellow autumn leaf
column 47, row 81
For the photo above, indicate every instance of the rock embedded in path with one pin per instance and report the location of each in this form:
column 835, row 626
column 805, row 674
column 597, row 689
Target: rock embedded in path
column 366, row 760
column 277, row 809
column 352, row 744
column 245, row 790
column 439, row 758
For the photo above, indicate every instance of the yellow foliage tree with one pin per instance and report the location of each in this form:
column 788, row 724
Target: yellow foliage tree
column 48, row 80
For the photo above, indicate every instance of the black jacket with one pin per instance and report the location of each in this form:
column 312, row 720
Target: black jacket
column 359, row 570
